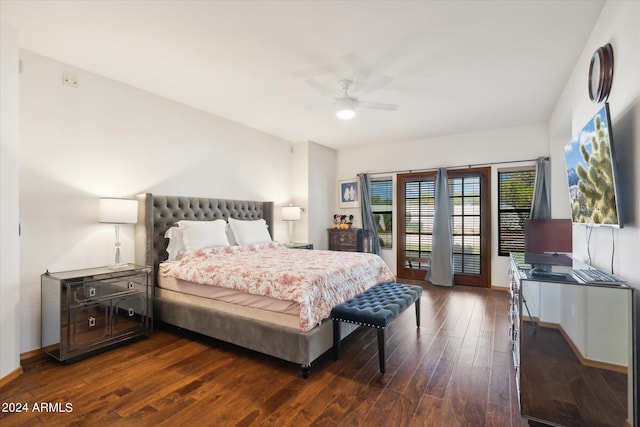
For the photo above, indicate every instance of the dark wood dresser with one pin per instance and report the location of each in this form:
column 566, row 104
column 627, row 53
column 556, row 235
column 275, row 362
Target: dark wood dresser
column 349, row 239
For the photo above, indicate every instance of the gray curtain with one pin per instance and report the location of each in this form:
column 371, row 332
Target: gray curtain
column 541, row 203
column 441, row 271
column 369, row 230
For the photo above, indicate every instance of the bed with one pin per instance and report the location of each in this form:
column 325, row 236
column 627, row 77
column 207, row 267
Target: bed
column 269, row 325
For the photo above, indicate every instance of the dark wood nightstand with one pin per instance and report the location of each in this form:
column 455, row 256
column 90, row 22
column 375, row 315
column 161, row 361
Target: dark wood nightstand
column 299, row 245
column 345, row 239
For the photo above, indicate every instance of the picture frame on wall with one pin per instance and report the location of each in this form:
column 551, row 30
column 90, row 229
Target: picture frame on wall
column 349, row 193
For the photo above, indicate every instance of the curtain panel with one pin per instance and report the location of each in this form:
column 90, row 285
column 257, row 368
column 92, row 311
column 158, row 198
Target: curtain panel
column 441, row 271
column 369, row 230
column 541, row 203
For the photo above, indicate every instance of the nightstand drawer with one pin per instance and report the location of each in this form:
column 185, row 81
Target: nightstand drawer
column 89, row 325
column 90, row 290
column 128, row 314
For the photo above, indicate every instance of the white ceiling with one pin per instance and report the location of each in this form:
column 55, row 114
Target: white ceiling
column 457, row 66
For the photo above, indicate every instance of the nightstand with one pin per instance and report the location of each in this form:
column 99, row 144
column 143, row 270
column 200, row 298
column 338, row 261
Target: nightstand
column 89, row 309
column 299, row 245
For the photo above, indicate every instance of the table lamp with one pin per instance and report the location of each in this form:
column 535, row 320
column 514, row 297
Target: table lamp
column 118, row 212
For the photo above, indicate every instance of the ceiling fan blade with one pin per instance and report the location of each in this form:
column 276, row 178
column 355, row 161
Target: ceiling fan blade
column 320, row 87
column 375, row 85
column 377, row 105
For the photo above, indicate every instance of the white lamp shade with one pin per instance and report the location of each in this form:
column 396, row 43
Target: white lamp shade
column 118, row 211
column 291, row 213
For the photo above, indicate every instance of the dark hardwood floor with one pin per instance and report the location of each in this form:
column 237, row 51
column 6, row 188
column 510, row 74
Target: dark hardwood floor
column 568, row 392
column 456, row 370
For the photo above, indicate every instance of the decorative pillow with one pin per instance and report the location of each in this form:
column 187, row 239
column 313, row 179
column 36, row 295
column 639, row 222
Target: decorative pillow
column 248, row 232
column 203, row 234
column 175, row 248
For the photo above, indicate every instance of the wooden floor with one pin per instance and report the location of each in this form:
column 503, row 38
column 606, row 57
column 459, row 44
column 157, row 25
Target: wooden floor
column 566, row 391
column 455, row 370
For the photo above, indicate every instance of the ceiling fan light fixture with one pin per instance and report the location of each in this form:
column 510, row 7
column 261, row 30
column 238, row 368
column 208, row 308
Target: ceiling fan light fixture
column 345, row 109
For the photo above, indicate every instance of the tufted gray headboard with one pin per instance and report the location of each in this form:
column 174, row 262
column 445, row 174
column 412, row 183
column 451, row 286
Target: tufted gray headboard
column 158, row 213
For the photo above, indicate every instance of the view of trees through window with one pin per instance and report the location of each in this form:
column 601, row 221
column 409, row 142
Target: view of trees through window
column 382, row 207
column 515, row 195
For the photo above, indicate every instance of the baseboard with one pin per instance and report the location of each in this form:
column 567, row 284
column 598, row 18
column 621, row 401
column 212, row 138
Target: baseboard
column 29, row 354
column 583, row 360
column 593, row 363
column 499, row 288
column 12, row 376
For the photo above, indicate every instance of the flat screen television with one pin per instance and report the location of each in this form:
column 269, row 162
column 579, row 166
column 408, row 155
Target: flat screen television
column 591, row 173
column 548, row 236
column 547, row 241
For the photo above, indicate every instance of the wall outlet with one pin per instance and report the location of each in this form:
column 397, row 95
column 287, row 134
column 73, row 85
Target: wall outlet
column 70, row 81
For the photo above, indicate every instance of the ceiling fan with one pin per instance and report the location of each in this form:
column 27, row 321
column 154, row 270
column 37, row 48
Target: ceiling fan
column 345, row 103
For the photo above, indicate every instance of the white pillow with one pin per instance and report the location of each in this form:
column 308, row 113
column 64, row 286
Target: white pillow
column 175, row 248
column 203, row 234
column 248, row 232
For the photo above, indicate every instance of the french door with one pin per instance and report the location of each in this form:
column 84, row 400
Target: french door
column 469, row 195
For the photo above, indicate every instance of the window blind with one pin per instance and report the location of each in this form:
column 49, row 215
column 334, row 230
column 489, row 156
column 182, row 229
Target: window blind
column 515, row 194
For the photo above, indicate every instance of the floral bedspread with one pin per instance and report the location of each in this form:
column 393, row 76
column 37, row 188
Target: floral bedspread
column 317, row 280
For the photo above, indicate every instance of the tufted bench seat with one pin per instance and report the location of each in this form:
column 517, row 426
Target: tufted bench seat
column 376, row 307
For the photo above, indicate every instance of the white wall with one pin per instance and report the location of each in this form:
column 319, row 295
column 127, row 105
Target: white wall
column 322, row 193
column 497, row 145
column 314, row 190
column 619, row 24
column 105, row 138
column 300, row 161
column 9, row 255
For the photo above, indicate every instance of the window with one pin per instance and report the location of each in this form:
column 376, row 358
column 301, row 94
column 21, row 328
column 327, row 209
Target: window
column 515, row 194
column 464, row 193
column 382, row 207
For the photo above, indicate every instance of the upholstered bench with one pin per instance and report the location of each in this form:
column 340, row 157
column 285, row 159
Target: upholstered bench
column 376, row 307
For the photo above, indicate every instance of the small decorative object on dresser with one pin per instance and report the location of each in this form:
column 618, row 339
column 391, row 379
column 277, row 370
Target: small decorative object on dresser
column 349, row 239
column 85, row 310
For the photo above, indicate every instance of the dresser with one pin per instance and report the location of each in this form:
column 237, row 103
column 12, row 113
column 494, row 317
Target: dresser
column 345, row 239
column 89, row 309
column 572, row 342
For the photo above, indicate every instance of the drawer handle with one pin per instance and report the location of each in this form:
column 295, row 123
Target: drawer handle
column 92, row 321
column 92, row 292
column 341, row 239
column 130, row 284
column 131, row 312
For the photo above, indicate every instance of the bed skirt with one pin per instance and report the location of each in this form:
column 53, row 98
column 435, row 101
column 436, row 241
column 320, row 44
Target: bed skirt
column 285, row 343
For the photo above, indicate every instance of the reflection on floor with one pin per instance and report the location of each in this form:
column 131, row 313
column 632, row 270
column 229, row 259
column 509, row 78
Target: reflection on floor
column 557, row 388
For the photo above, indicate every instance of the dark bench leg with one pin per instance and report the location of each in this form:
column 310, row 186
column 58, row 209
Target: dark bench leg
column 418, row 312
column 381, row 348
column 336, row 339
